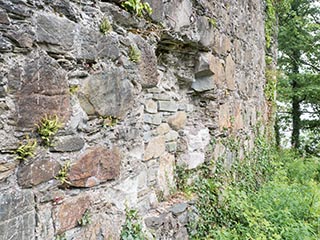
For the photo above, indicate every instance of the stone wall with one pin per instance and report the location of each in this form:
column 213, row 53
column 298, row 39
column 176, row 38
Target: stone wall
column 198, row 78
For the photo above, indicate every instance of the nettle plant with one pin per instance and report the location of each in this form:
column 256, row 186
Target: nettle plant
column 48, row 128
column 137, row 7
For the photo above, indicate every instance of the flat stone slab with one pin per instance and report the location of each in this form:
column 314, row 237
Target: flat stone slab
column 96, row 166
column 107, row 94
column 17, row 215
column 40, row 87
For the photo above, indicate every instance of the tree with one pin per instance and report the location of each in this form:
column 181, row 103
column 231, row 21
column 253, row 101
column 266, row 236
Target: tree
column 299, row 61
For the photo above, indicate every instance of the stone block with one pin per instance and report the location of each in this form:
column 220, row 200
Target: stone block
column 6, row 169
column 4, row 19
column 155, row 148
column 196, row 140
column 154, row 119
column 171, row 147
column 107, row 94
column 230, row 73
column 163, row 129
column 167, row 106
column 17, row 215
column 68, row 144
column 95, row 166
column 178, row 120
column 151, row 106
column 165, row 177
column 5, row 45
column 149, row 76
column 37, row 172
column 171, row 136
column 67, row 214
column 224, row 117
column 40, row 87
column 55, row 31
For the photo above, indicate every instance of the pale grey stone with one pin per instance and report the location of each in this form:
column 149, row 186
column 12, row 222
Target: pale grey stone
column 178, row 208
column 171, row 136
column 168, row 106
column 17, row 215
column 154, row 119
column 68, row 144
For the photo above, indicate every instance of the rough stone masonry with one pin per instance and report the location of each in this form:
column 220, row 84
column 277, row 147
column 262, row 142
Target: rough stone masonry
column 126, row 124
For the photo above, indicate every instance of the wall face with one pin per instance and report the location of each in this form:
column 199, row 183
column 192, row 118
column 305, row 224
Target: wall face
column 199, row 77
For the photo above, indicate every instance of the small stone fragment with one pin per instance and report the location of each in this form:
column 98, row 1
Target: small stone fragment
column 178, row 120
column 155, row 148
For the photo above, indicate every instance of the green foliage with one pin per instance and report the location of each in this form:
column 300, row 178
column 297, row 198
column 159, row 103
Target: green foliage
column 63, row 173
column 271, row 85
column 109, row 121
column 299, row 61
column 267, row 195
column 137, row 7
column 61, row 237
column 26, row 149
column 132, row 228
column 85, row 219
column 105, row 26
column 48, row 127
column 213, row 22
column 270, row 22
column 134, row 54
column 73, row 89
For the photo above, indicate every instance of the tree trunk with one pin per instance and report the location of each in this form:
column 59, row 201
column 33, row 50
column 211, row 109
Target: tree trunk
column 296, row 111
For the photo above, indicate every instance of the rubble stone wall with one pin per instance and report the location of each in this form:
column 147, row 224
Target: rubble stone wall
column 136, row 98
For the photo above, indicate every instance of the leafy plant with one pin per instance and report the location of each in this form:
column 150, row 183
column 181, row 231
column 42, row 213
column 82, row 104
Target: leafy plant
column 134, row 54
column 137, row 7
column 47, row 128
column 132, row 228
column 61, row 237
column 105, row 26
column 85, row 219
column 63, row 173
column 73, row 89
column 109, row 121
column 26, row 149
column 213, row 22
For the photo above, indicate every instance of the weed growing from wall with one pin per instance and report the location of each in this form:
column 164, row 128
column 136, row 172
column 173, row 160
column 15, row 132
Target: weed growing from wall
column 132, row 228
column 134, row 54
column 105, row 26
column 61, row 237
column 85, row 219
column 264, row 196
column 48, row 128
column 63, row 173
column 137, row 7
column 26, row 149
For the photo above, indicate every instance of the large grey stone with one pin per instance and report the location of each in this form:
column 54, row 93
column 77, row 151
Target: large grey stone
column 17, row 215
column 55, row 31
column 107, row 94
column 68, row 144
column 149, row 76
column 5, row 45
column 167, row 106
column 92, row 45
